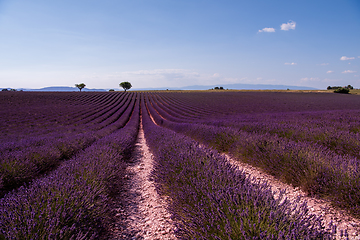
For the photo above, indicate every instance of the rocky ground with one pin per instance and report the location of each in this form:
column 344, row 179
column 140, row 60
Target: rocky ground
column 140, row 212
column 316, row 206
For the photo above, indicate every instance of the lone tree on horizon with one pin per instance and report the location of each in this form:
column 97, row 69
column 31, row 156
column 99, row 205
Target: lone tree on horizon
column 80, row 86
column 125, row 85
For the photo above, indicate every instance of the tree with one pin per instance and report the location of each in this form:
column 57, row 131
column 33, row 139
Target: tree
column 342, row 90
column 125, row 85
column 80, row 86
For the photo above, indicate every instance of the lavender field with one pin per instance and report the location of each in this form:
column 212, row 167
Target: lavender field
column 63, row 160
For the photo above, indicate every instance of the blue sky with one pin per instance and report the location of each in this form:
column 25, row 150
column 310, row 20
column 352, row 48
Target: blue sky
column 173, row 43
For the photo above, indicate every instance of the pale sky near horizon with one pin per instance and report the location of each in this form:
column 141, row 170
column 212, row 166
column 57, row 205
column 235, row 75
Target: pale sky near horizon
column 175, row 43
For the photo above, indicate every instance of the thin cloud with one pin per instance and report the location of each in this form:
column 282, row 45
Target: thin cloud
column 289, row 25
column 344, row 58
column 165, row 74
column 324, row 64
column 291, row 63
column 306, row 79
column 267, row 30
column 330, row 71
column 216, row 75
column 155, row 78
column 349, row 71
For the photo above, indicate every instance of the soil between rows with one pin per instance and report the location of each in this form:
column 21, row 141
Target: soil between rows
column 318, row 207
column 140, row 211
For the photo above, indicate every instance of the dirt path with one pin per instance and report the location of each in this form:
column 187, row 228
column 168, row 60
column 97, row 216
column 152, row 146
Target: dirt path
column 318, row 207
column 142, row 213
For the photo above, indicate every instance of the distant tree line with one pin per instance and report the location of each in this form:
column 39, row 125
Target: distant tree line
column 218, row 88
column 6, row 90
column 339, row 89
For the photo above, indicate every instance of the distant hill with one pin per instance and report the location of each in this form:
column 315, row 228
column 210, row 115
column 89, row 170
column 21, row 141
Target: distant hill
column 64, row 89
column 238, row 86
column 251, row 87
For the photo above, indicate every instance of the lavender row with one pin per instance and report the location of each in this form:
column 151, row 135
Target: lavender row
column 92, row 98
column 113, row 107
column 343, row 120
column 24, row 164
column 57, row 132
column 173, row 114
column 184, row 104
column 229, row 103
column 211, row 199
column 72, row 202
column 335, row 130
column 313, row 167
column 186, row 110
column 40, row 140
column 103, row 110
column 338, row 132
column 113, row 113
column 21, row 105
column 76, row 126
column 43, row 117
column 93, row 103
column 120, row 118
